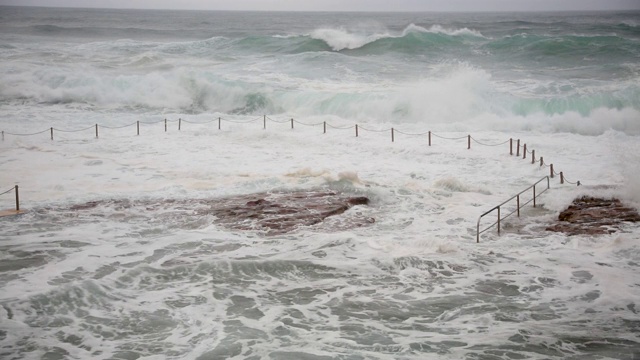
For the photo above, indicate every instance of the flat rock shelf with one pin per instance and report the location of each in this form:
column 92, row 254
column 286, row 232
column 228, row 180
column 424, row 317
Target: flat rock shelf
column 272, row 213
column 594, row 216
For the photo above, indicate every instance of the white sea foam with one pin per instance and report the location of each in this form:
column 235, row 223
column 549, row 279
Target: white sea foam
column 340, row 39
column 116, row 279
column 448, row 31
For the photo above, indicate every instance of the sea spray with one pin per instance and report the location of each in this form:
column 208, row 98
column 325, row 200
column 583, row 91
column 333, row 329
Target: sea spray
column 160, row 280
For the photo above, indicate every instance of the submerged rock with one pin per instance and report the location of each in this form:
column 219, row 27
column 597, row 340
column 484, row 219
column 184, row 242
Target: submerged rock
column 283, row 212
column 273, row 213
column 594, row 216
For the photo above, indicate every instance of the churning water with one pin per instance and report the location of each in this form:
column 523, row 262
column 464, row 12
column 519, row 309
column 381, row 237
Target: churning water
column 163, row 282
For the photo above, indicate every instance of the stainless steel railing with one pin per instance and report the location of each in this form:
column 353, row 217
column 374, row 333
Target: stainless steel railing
column 516, row 211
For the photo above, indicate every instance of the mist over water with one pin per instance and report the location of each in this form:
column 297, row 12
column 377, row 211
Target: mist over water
column 157, row 280
column 350, row 66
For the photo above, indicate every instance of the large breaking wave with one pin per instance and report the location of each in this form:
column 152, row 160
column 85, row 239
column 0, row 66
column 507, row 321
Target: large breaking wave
column 418, row 73
column 462, row 95
column 412, row 36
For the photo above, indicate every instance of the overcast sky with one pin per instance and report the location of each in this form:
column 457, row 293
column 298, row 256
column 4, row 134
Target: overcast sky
column 344, row 5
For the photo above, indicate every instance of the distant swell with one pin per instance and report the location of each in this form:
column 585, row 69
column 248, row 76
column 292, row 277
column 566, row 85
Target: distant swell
column 102, row 32
column 568, row 46
column 413, row 39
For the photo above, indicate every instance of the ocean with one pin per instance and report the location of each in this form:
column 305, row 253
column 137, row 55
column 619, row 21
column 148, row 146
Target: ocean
column 121, row 126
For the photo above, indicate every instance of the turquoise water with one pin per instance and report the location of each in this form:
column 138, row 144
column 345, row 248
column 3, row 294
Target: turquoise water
column 323, row 63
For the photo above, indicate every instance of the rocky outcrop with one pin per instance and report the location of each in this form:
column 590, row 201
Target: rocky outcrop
column 594, row 216
column 273, row 213
column 284, row 212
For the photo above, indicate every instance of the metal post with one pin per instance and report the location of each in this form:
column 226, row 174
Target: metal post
column 498, row 220
column 264, row 122
column 511, row 146
column 96, row 131
column 179, row 123
column 524, row 151
column 356, row 130
column 561, row 178
column 468, row 142
column 429, row 137
column 138, row 127
column 292, row 123
column 325, row 127
column 534, row 195
column 518, row 203
column 518, row 148
column 551, row 170
column 51, row 133
column 17, row 199
column 533, row 156
column 392, row 137
column 218, row 123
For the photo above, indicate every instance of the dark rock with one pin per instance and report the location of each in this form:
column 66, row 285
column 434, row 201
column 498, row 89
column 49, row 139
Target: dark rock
column 282, row 212
column 594, row 216
column 273, row 213
column 85, row 206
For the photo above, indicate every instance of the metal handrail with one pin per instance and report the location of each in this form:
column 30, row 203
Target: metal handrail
column 518, row 207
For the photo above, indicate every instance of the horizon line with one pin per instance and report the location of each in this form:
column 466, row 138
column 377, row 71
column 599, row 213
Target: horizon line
column 323, row 11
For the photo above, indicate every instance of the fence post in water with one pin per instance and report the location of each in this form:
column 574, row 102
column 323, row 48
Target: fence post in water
column 17, row 199
column 534, row 195
column 518, row 203
column 52, row 133
column 96, row 131
column 356, row 130
column 264, row 122
column 498, row 220
column 292, row 123
column 165, row 125
column 429, row 137
column 518, row 148
column 324, row 125
column 138, row 127
column 468, row 142
column 510, row 146
column 218, row 123
column 551, row 170
column 392, row 137
column 541, row 161
column 533, row 156
column 524, row 151
column 179, row 123
column 561, row 178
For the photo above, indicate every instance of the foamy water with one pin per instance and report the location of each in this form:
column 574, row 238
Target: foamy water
column 154, row 283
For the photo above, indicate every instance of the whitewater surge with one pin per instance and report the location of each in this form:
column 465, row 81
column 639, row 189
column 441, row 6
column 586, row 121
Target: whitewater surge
column 116, row 259
column 340, row 39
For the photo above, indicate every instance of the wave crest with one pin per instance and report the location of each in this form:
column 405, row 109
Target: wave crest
column 340, row 38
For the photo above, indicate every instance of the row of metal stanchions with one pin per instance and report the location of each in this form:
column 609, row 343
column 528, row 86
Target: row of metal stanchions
column 264, row 118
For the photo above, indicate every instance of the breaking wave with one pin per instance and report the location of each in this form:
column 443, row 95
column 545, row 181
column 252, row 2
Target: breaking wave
column 462, row 95
column 412, row 36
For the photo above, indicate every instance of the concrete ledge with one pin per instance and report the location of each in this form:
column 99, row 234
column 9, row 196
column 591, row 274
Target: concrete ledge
column 10, row 212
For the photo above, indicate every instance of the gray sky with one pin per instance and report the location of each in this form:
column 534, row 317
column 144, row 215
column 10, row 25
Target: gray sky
column 344, row 5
